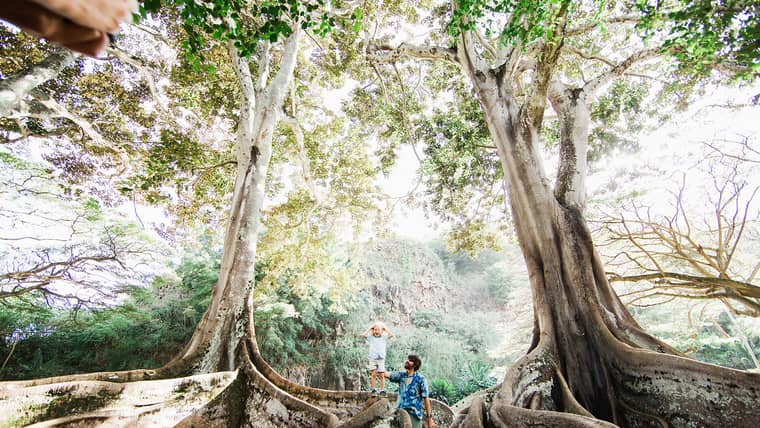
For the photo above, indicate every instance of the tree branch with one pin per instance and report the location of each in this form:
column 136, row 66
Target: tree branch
column 389, row 54
column 16, row 87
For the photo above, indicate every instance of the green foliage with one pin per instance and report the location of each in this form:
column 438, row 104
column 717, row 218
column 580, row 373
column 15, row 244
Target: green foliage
column 498, row 283
column 22, row 318
column 12, row 161
column 527, row 21
column 718, row 341
column 246, row 23
column 170, row 160
column 151, row 326
column 470, row 335
column 701, row 34
column 483, row 272
column 474, row 377
column 727, row 352
column 623, row 103
column 714, row 339
column 13, row 42
column 92, row 209
column 301, row 236
column 462, row 173
column 443, row 390
column 294, row 332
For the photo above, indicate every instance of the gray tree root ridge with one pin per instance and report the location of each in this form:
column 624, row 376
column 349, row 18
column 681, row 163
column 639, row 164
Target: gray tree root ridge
column 86, row 403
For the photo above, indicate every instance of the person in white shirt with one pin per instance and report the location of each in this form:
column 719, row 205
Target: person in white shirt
column 377, row 337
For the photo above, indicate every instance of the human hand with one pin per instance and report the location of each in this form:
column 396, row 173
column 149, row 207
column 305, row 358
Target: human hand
column 101, row 15
column 32, row 17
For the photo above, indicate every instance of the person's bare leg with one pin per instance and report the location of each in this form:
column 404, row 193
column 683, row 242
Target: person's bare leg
column 372, row 379
column 382, row 382
column 101, row 15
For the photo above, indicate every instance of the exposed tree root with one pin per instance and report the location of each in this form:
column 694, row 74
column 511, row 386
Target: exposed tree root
column 657, row 388
column 256, row 398
column 262, row 397
column 644, row 388
column 144, row 403
column 505, row 415
column 111, row 417
column 341, row 403
column 374, row 410
column 474, row 417
column 403, row 418
column 118, row 376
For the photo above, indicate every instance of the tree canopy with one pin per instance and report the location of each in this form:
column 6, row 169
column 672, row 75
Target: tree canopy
column 226, row 121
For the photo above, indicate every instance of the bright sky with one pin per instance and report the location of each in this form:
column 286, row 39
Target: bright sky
column 678, row 145
column 407, row 222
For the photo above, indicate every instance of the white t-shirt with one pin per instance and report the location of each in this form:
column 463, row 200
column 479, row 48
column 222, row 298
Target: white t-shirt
column 377, row 346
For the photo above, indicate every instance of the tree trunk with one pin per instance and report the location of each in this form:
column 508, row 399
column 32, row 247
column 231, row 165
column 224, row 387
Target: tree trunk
column 225, row 338
column 589, row 364
column 214, row 343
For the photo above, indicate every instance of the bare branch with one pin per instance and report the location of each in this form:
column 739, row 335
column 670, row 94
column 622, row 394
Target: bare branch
column 679, row 256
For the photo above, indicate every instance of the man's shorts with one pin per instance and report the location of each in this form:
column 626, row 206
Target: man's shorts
column 377, row 364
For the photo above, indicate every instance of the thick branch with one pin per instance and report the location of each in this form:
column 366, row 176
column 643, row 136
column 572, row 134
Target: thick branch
column 15, row 88
column 389, row 54
column 535, row 105
column 742, row 288
column 592, row 86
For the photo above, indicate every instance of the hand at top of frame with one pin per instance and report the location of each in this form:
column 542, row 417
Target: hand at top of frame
column 101, row 15
column 80, row 25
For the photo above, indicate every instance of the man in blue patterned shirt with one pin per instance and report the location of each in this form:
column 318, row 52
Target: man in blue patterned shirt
column 413, row 392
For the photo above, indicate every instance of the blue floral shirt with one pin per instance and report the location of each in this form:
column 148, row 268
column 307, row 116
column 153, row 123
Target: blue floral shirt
column 410, row 395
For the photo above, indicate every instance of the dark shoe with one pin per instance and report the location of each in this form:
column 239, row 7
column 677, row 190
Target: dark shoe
column 374, row 391
column 383, row 393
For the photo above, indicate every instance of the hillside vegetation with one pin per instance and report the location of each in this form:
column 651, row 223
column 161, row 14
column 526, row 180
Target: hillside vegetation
column 440, row 305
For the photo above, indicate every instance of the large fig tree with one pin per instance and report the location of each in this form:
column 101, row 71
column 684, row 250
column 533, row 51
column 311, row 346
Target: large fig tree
column 589, row 363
